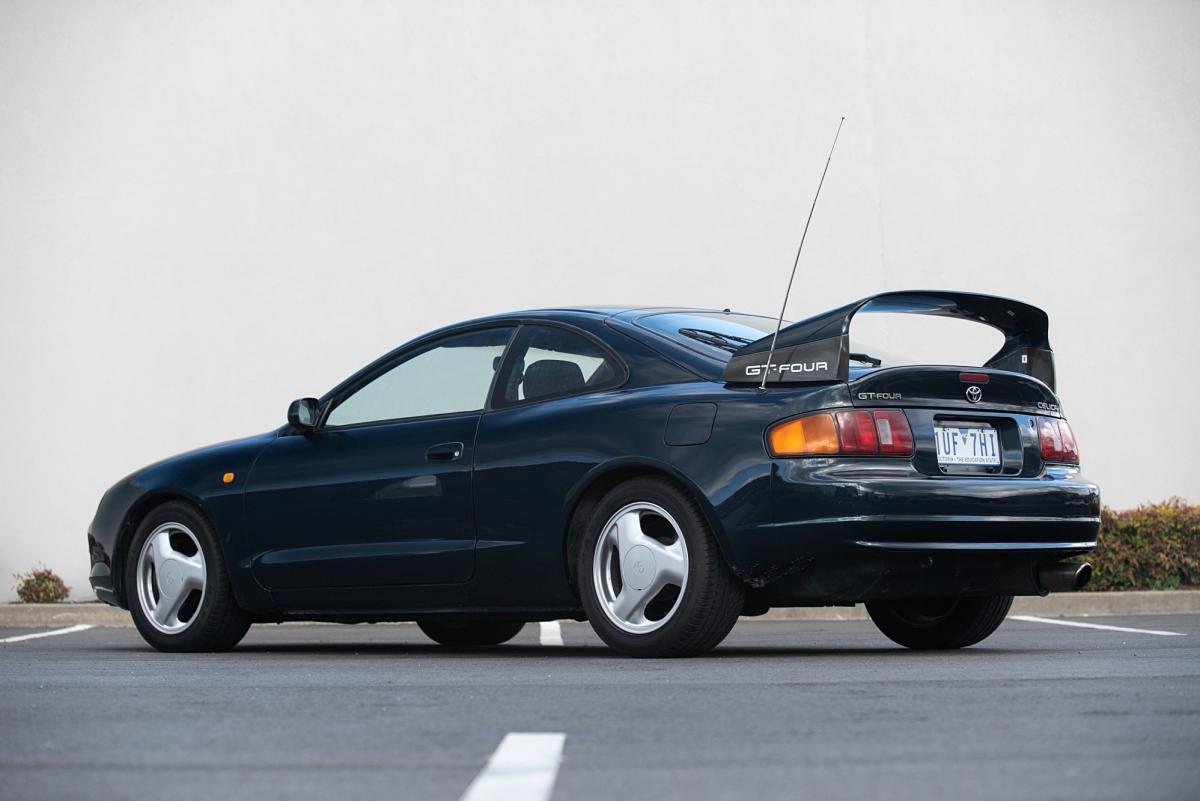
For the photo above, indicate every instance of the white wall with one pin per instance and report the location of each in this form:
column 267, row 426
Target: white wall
column 208, row 209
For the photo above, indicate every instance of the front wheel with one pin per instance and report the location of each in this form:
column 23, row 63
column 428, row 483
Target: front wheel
column 650, row 576
column 176, row 584
column 470, row 633
column 939, row 623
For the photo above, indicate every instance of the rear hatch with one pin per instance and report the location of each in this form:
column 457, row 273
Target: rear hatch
column 953, row 388
column 964, row 421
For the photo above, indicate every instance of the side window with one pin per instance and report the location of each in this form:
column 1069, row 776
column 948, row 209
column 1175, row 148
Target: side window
column 453, row 375
column 550, row 362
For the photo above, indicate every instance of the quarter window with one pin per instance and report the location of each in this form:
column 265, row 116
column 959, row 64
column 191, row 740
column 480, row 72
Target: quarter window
column 453, row 375
column 550, row 362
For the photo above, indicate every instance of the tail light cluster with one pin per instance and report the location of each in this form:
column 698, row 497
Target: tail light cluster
column 883, row 431
column 1057, row 441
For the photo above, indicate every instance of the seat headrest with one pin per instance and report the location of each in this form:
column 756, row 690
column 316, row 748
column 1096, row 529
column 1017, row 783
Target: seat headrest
column 551, row 377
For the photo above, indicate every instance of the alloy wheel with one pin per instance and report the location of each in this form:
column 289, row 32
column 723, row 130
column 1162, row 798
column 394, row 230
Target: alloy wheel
column 640, row 567
column 171, row 577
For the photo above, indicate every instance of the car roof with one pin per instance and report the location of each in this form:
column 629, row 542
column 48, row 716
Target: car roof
column 623, row 312
column 625, row 318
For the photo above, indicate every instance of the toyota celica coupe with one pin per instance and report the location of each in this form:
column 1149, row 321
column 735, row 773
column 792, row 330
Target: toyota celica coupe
column 655, row 471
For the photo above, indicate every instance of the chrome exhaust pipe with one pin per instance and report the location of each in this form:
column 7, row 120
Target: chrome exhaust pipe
column 1064, row 577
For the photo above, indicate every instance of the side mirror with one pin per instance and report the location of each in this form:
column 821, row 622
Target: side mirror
column 302, row 414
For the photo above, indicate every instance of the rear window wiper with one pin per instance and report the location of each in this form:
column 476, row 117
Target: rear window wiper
column 716, row 339
column 865, row 359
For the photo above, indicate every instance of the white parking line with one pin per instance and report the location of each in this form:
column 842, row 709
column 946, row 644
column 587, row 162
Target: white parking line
column 523, row 768
column 1032, row 619
column 550, row 633
column 55, row 632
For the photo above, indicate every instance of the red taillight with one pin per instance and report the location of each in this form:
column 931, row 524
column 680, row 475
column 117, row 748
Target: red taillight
column 1050, row 439
column 1057, row 441
column 1070, row 446
column 857, row 432
column 895, row 437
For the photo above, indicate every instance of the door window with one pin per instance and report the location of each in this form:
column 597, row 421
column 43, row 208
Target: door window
column 549, row 362
column 452, row 375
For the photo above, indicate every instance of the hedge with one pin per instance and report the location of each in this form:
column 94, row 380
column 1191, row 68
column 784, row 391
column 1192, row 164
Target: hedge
column 1153, row 547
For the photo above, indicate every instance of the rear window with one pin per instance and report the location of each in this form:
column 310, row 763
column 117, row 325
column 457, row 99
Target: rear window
column 714, row 334
column 877, row 339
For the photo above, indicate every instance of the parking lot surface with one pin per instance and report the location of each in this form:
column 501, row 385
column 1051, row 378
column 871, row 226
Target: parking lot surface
column 795, row 710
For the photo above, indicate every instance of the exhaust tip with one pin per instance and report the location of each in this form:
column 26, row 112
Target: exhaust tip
column 1064, row 577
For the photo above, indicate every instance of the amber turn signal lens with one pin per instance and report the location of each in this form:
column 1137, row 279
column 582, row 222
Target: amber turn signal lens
column 227, row 478
column 856, row 432
column 806, row 435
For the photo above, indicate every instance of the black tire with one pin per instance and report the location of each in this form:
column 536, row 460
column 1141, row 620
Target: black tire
column 218, row 623
column 939, row 623
column 470, row 633
column 712, row 596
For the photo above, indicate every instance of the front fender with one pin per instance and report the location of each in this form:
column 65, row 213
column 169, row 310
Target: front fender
column 196, row 477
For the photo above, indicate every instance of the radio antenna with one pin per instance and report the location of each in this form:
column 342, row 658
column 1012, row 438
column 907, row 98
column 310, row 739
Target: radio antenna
column 767, row 370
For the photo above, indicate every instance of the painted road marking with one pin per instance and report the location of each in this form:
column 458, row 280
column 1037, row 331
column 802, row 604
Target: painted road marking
column 55, row 632
column 1032, row 619
column 523, row 768
column 550, row 633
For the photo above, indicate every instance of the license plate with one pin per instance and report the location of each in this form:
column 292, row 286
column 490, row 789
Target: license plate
column 973, row 445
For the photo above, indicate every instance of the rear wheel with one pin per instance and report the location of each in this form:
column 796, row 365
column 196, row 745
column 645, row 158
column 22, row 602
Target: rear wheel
column 650, row 576
column 939, row 623
column 470, row 633
column 176, row 584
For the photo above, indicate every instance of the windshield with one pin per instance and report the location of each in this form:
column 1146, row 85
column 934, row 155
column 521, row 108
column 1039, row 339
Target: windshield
column 714, row 334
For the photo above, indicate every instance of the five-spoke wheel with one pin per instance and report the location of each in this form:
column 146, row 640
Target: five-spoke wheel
column 171, row 577
column 176, row 585
column 640, row 567
column 650, row 575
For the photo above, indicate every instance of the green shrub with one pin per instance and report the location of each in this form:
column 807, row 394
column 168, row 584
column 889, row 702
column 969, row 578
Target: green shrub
column 41, row 586
column 1153, row 547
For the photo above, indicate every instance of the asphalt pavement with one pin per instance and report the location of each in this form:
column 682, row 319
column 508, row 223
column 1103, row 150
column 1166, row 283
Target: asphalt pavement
column 796, row 710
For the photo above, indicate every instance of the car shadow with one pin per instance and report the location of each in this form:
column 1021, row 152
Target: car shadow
column 597, row 651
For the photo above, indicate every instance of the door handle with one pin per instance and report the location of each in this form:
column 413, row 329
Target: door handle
column 445, row 452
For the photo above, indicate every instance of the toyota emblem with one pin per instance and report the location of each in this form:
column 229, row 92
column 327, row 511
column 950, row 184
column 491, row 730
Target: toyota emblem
column 974, row 394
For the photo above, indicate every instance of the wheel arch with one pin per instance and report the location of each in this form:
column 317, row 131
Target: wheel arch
column 137, row 512
column 587, row 494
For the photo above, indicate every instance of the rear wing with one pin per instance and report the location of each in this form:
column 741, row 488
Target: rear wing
column 818, row 349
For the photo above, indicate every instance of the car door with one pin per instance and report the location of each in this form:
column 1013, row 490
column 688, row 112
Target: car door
column 379, row 494
column 550, row 423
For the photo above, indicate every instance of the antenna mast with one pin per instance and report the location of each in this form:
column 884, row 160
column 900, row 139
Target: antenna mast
column 767, row 370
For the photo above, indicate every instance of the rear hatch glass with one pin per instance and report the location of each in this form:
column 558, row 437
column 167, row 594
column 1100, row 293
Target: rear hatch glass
column 713, row 334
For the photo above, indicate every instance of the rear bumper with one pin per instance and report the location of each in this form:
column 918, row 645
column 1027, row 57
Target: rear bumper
column 849, row 531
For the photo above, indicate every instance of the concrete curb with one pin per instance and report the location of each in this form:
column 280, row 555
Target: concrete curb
column 41, row 616
column 1081, row 604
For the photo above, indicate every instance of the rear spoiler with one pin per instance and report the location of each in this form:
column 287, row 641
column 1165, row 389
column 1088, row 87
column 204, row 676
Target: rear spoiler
column 818, row 349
